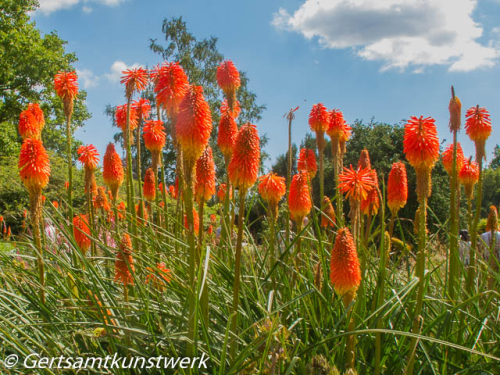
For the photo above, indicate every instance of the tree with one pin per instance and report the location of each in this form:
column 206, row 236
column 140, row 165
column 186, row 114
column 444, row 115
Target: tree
column 28, row 63
column 495, row 163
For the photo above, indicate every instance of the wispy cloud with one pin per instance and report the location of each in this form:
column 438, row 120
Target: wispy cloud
column 399, row 33
column 50, row 6
column 117, row 68
column 88, row 78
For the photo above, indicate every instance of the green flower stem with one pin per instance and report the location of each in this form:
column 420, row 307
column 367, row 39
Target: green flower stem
column 237, row 271
column 454, row 261
column 420, row 269
column 472, row 257
column 130, row 179
column 70, row 170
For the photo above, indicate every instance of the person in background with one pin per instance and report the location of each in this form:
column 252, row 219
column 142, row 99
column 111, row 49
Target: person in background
column 485, row 243
column 464, row 246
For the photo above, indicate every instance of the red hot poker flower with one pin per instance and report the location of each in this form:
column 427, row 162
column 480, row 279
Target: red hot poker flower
column 135, row 80
column 31, row 122
column 319, row 118
column 299, row 199
column 121, row 117
column 328, row 213
column 448, row 158
column 124, row 263
column 196, row 222
column 345, row 272
column 356, row 183
column 149, row 190
column 81, row 231
column 34, row 167
column 221, row 193
column 142, row 108
column 469, row 176
column 89, row 157
column 478, row 128
column 112, row 171
column 172, row 84
column 66, row 86
column 272, row 188
column 307, row 162
column 194, row 124
column 228, row 79
column 397, row 187
column 205, row 176
column 370, row 205
column 243, row 168
column 228, row 129
column 364, row 160
column 421, row 144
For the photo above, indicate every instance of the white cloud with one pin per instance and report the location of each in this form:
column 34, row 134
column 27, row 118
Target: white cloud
column 88, row 78
column 117, row 68
column 49, row 6
column 400, row 33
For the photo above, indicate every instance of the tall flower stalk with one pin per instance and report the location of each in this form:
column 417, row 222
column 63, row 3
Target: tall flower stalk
column 204, row 190
column 113, row 175
column 142, row 108
column 455, row 108
column 243, row 171
column 478, row 128
column 468, row 177
column 272, row 188
column 193, row 128
column 290, row 116
column 66, row 86
column 299, row 204
column 421, row 146
column 135, row 80
column 345, row 276
column 339, row 133
column 318, row 122
column 34, row 170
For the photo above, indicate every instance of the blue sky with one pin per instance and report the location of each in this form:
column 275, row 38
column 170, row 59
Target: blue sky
column 389, row 59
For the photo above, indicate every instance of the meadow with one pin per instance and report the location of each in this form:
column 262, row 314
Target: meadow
column 338, row 284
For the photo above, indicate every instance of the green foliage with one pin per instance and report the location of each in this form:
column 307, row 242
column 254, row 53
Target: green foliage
column 495, row 162
column 28, row 62
column 14, row 198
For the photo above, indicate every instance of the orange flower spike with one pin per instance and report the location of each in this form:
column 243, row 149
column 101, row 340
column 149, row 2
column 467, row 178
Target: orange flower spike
column 318, row 118
column 345, row 272
column 478, row 128
column 469, row 176
column 121, row 117
column 455, row 108
column 337, row 127
column 328, row 213
column 421, row 144
column 243, row 168
column 149, row 190
column 89, row 157
column 221, row 193
column 135, row 80
column 299, row 198
column 142, row 108
column 112, row 171
column 34, row 167
column 31, row 122
column 205, row 176
column 55, row 204
column 307, row 162
column 228, row 79
column 228, row 130
column 272, row 188
column 172, row 84
column 66, row 86
column 194, row 124
column 196, row 222
column 124, row 263
column 356, row 183
column 213, row 218
column 210, row 230
column 492, row 221
column 164, row 276
column 235, row 112
column 81, row 231
column 448, row 158
column 364, row 160
column 370, row 205
column 154, row 135
column 101, row 200
column 397, row 187
column 171, row 191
